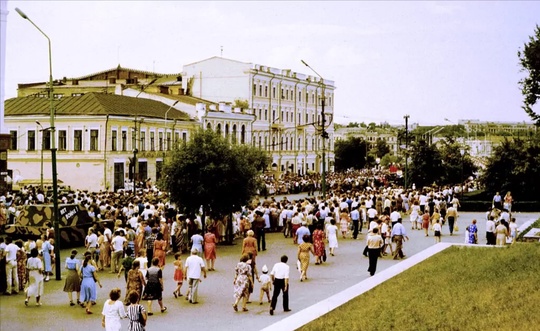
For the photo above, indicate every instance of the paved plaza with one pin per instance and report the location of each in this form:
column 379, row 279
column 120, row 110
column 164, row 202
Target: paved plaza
column 214, row 310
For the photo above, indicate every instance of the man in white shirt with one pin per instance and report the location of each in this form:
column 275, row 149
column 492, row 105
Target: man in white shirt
column 394, row 216
column 280, row 279
column 490, row 231
column 194, row 266
column 92, row 243
column 11, row 267
column 118, row 244
column 371, row 213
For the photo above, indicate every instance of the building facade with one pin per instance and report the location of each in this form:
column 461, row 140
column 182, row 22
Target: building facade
column 286, row 107
column 104, row 141
column 370, row 136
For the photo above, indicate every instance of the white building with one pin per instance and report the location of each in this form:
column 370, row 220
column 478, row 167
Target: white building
column 286, row 106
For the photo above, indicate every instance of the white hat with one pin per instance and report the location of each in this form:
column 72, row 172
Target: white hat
column 264, row 268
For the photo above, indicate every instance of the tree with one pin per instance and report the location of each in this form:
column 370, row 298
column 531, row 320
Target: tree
column 350, row 153
column 381, row 148
column 513, row 166
column 529, row 60
column 426, row 166
column 457, row 167
column 211, row 175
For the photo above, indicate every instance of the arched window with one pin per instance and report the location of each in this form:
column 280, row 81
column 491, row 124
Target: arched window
column 234, row 134
column 227, row 132
column 208, row 126
column 243, row 135
column 218, row 128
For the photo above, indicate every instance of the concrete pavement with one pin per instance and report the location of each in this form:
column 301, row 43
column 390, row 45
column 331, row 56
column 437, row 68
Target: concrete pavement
column 214, row 311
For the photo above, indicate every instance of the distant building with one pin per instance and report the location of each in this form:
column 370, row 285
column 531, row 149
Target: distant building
column 98, row 135
column 497, row 128
column 286, row 106
column 370, row 136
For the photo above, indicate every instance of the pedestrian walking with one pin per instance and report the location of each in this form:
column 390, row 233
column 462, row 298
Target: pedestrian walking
column 374, row 243
column 194, row 267
column 113, row 311
column 73, row 281
column 34, row 266
column 280, row 279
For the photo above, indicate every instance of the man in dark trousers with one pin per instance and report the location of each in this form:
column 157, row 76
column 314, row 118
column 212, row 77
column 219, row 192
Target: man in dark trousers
column 280, row 279
column 258, row 227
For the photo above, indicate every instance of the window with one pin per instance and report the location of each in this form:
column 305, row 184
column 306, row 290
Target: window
column 124, row 140
column 114, row 140
column 273, row 115
column 152, row 136
column 94, row 140
column 234, row 134
column 266, row 91
column 243, row 134
column 282, row 94
column 184, row 137
column 77, row 140
column 266, row 114
column 176, row 138
column 168, row 141
column 254, row 89
column 160, row 141
column 260, row 90
column 31, row 140
column 273, row 92
column 142, row 141
column 260, row 114
column 62, row 140
column 13, row 140
column 46, row 139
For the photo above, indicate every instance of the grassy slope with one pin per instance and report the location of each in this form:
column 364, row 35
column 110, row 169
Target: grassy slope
column 461, row 288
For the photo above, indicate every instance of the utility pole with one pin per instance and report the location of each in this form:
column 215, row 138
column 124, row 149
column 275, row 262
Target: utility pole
column 406, row 117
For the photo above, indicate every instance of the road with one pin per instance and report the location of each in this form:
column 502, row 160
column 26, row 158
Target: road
column 214, row 311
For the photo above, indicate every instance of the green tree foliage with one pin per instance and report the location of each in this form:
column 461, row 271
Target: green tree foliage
column 513, row 166
column 381, row 148
column 426, row 165
column 457, row 167
column 350, row 153
column 529, row 59
column 211, row 173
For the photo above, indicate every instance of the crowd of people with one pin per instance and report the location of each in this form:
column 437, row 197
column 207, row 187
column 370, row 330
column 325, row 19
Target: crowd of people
column 141, row 230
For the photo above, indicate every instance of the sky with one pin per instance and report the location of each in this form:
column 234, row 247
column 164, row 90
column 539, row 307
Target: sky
column 429, row 60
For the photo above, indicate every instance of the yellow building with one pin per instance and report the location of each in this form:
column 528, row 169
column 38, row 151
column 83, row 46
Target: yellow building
column 97, row 137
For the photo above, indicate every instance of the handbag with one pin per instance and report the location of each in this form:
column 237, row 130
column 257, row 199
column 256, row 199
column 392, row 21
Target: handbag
column 142, row 320
column 324, row 255
column 456, row 228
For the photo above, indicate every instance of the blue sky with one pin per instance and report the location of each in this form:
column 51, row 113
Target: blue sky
column 430, row 60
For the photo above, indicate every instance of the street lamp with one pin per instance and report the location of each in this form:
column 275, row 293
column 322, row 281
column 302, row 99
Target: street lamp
column 42, row 130
column 167, row 112
column 324, row 134
column 58, row 269
column 462, row 152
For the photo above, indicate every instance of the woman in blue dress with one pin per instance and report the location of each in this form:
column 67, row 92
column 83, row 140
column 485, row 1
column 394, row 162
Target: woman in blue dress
column 473, row 233
column 88, row 284
column 47, row 250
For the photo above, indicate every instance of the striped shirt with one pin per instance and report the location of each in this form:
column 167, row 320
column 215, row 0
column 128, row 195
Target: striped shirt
column 134, row 312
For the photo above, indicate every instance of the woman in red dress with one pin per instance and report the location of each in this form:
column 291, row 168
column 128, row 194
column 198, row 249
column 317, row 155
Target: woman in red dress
column 210, row 241
column 160, row 247
column 318, row 243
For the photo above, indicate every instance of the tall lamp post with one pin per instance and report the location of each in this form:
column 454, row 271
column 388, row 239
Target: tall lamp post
column 42, row 130
column 324, row 134
column 58, row 269
column 406, row 179
column 462, row 152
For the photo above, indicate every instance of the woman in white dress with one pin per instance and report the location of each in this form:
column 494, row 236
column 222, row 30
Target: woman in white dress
column 113, row 312
column 331, row 234
column 415, row 209
column 143, row 260
column 35, row 277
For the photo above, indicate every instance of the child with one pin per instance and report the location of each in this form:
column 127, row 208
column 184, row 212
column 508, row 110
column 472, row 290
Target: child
column 127, row 262
column 437, row 230
column 178, row 274
column 266, row 284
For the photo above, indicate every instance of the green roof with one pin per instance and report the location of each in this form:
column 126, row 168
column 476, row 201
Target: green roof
column 93, row 104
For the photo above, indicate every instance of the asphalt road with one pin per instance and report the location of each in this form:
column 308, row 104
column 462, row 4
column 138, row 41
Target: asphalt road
column 214, row 310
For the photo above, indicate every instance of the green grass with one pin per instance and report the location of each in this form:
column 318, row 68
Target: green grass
column 461, row 288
